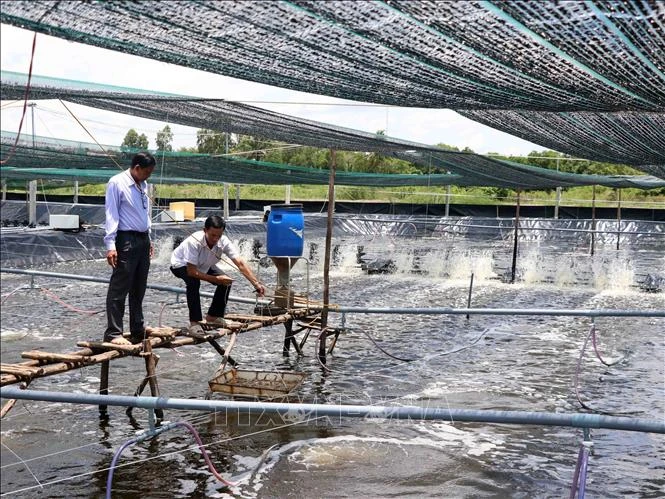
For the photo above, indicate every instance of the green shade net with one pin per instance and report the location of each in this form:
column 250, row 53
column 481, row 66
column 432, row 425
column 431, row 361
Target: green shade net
column 51, row 158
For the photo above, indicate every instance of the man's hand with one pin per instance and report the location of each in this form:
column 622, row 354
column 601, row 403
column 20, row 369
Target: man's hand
column 260, row 289
column 112, row 258
column 223, row 280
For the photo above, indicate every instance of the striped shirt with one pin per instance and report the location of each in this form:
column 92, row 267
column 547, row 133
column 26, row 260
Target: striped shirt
column 127, row 207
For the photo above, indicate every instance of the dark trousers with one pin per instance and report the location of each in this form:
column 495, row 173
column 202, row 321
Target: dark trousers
column 130, row 277
column 219, row 300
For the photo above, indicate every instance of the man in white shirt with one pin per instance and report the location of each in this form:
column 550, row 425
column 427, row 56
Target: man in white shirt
column 195, row 260
column 128, row 247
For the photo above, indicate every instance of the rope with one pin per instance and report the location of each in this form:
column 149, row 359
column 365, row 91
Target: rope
column 24, row 464
column 25, row 102
column 91, row 136
column 379, row 346
column 56, row 298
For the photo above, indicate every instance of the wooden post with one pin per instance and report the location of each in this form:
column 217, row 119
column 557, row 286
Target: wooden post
column 288, row 336
column 515, row 237
column 237, row 197
column 76, row 191
column 618, row 217
column 151, row 373
column 4, row 190
column 104, row 387
column 326, row 263
column 593, row 219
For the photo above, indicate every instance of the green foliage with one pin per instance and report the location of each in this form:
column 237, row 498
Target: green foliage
column 134, row 141
column 164, row 138
column 256, row 147
column 214, row 142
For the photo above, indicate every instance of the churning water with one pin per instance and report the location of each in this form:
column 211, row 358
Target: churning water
column 509, row 363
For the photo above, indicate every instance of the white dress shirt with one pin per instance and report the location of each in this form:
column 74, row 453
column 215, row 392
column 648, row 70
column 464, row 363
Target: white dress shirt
column 127, row 207
column 195, row 250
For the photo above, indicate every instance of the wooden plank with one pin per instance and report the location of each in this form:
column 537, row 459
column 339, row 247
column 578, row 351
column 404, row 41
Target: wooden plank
column 18, row 370
column 53, row 357
column 102, row 345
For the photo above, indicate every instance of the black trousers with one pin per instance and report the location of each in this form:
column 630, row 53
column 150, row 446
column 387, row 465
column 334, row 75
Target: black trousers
column 130, row 277
column 219, row 299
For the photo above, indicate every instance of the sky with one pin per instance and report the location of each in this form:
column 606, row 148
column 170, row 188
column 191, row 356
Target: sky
column 59, row 58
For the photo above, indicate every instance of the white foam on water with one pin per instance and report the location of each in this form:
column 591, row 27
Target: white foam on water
column 163, row 249
column 13, row 335
column 615, row 273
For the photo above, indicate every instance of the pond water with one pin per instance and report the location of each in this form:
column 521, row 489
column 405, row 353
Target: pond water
column 525, row 363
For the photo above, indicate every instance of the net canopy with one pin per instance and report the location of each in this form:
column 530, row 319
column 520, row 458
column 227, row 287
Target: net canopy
column 582, row 78
column 71, row 160
column 538, row 56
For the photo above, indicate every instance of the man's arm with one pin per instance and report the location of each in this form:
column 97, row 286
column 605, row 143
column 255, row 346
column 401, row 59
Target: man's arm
column 112, row 221
column 192, row 271
column 247, row 272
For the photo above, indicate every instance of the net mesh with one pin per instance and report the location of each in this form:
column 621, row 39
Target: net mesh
column 582, row 78
column 56, row 159
column 540, row 56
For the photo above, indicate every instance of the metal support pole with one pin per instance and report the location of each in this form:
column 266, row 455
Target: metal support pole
column 593, row 219
column 4, row 190
column 575, row 420
column 237, row 197
column 76, row 191
column 326, row 263
column 152, row 189
column 652, row 312
column 226, row 201
column 287, row 192
column 557, row 198
column 447, row 212
column 468, row 302
column 515, row 238
column 32, row 111
column 32, row 203
column 618, row 217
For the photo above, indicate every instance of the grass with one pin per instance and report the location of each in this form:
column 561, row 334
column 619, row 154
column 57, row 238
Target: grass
column 574, row 196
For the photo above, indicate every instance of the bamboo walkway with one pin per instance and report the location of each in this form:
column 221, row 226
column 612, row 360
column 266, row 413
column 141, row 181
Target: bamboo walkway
column 42, row 364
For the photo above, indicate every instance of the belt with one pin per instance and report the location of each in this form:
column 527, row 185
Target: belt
column 134, row 232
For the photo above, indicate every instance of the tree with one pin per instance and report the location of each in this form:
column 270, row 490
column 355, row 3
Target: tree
column 214, row 142
column 134, row 141
column 164, row 138
column 257, row 146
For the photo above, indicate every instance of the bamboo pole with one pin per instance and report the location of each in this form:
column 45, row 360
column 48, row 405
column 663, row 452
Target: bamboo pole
column 326, row 263
column 104, row 386
column 515, row 238
column 150, row 367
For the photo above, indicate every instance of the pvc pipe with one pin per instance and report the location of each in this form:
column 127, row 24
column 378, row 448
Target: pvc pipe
column 577, row 420
column 389, row 310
